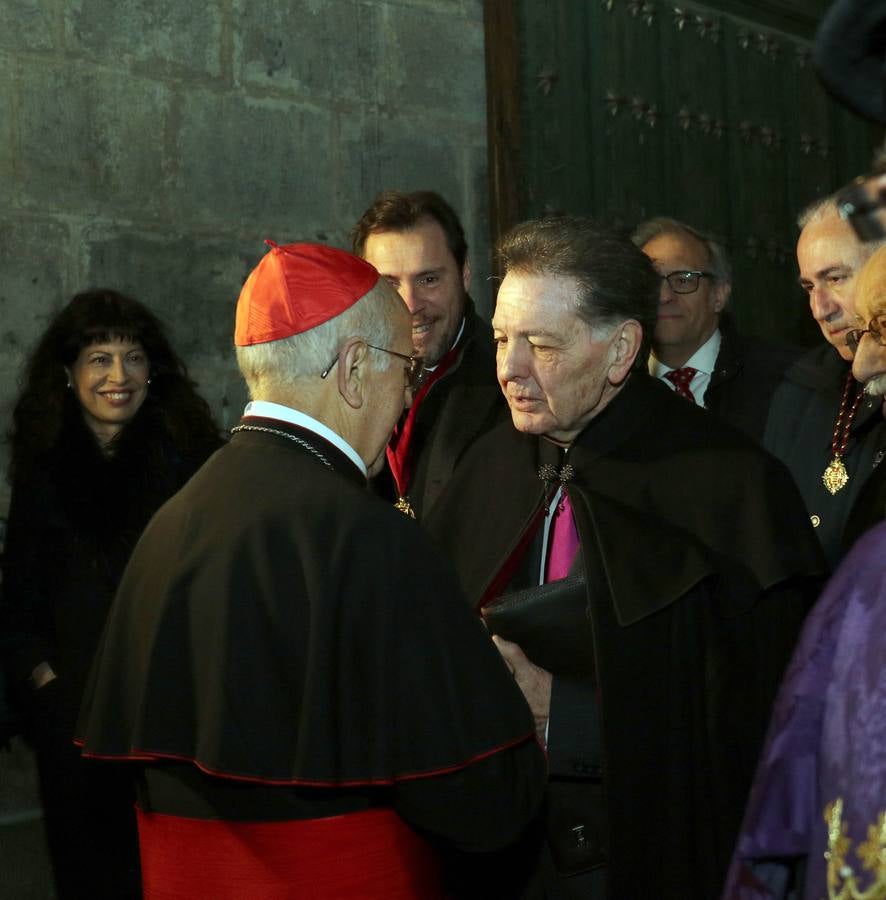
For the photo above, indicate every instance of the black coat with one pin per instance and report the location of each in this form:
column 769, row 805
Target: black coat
column 279, row 624
column 745, row 377
column 463, row 405
column 74, row 519
column 75, row 516
column 697, row 551
column 799, row 432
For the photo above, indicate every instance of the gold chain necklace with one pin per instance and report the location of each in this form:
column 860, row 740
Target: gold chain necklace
column 835, row 475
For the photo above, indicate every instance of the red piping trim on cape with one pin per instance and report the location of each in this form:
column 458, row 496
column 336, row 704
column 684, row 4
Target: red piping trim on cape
column 152, row 756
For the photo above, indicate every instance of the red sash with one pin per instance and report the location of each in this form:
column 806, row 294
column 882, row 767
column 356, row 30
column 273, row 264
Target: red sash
column 400, row 460
column 372, row 855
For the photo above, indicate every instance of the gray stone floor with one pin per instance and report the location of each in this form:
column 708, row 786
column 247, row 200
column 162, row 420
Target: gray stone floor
column 24, row 866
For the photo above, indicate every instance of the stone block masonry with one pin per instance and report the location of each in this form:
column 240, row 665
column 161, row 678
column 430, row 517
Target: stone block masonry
column 151, row 146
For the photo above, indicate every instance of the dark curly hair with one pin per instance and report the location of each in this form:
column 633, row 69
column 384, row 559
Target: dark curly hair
column 45, row 405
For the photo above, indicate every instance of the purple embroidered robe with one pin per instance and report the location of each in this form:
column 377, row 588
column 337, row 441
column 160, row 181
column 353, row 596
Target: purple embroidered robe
column 827, row 737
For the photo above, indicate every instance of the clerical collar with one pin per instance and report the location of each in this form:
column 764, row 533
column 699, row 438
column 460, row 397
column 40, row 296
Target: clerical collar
column 461, row 329
column 704, row 359
column 267, row 410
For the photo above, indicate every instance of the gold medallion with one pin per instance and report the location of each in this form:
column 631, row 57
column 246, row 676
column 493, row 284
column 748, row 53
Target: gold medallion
column 835, row 475
column 405, row 507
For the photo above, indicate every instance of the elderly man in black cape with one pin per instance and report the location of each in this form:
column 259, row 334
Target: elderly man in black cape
column 313, row 705
column 644, row 566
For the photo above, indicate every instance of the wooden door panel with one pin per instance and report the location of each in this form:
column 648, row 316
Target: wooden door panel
column 701, row 111
column 624, row 47
column 554, row 92
column 695, row 121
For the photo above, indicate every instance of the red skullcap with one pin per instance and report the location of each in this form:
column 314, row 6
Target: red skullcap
column 296, row 287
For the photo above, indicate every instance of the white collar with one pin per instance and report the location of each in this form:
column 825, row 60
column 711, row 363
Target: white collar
column 704, row 359
column 268, row 410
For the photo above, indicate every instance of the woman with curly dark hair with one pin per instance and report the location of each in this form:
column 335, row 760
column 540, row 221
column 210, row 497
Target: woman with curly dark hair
column 107, row 427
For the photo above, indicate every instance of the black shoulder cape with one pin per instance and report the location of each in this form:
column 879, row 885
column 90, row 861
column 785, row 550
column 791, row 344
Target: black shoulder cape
column 277, row 623
column 699, row 560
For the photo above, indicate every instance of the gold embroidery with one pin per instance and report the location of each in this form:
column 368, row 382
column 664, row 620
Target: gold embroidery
column 841, row 878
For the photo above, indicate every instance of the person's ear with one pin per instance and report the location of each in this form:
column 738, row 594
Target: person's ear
column 623, row 350
column 353, row 368
column 466, row 275
column 720, row 295
column 69, row 376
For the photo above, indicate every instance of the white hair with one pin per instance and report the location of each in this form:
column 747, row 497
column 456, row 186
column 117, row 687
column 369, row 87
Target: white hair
column 876, row 386
column 826, row 207
column 281, row 363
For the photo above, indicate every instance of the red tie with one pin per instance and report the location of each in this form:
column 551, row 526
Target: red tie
column 681, row 379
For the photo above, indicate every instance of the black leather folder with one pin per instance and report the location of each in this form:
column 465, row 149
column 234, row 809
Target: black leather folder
column 549, row 622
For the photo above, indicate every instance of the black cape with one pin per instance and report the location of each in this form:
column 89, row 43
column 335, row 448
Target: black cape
column 696, row 548
column 279, row 624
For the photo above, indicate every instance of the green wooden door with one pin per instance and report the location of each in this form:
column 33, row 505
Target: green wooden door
column 710, row 113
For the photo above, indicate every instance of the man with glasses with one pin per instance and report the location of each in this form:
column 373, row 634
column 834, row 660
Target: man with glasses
column 815, row 818
column 280, row 658
column 868, row 343
column 819, row 795
column 820, row 424
column 418, row 244
column 696, row 349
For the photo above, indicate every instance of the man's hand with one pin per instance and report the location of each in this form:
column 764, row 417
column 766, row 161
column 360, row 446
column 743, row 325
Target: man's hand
column 534, row 681
column 42, row 675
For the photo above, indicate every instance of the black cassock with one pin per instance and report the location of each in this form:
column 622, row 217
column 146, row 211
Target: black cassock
column 281, row 627
column 697, row 553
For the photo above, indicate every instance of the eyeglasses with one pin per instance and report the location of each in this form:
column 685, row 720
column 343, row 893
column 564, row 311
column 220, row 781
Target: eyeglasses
column 685, row 282
column 414, row 369
column 874, row 329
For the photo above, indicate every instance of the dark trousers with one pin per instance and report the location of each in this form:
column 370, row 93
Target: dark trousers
column 88, row 810
column 548, row 884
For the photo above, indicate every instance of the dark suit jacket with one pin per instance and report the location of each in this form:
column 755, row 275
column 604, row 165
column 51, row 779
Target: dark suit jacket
column 800, row 430
column 463, row 405
column 744, row 379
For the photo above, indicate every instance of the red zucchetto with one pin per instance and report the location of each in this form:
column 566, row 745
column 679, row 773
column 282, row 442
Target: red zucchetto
column 296, row 287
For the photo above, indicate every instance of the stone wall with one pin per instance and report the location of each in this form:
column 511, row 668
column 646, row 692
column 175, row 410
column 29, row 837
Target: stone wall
column 151, row 146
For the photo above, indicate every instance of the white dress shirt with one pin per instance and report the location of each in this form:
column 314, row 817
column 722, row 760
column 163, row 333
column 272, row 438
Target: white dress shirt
column 704, row 360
